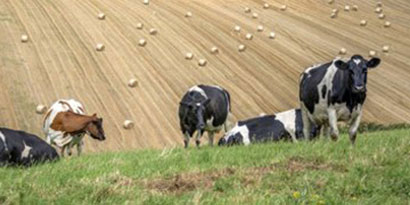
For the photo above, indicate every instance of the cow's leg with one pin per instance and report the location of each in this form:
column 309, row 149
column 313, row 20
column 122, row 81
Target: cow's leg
column 325, row 132
column 306, row 124
column 62, row 151
column 333, row 124
column 69, row 152
column 211, row 138
column 80, row 147
column 198, row 138
column 293, row 135
column 186, row 139
column 226, row 126
column 354, row 125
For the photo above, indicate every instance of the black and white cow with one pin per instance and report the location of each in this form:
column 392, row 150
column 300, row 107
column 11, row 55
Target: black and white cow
column 335, row 91
column 204, row 108
column 285, row 125
column 21, row 148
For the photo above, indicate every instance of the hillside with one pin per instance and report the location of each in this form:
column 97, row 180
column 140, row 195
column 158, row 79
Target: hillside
column 60, row 61
column 320, row 172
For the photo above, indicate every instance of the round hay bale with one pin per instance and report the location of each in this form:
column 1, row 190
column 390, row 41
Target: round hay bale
column 382, row 16
column 100, row 47
column 146, row 2
column 153, row 31
column 237, row 28
column 387, row 24
column 249, row 36
column 188, row 14
column 363, row 22
column 260, row 28
column 378, row 10
column 214, row 50
column 202, row 62
column 142, row 42
column 133, row 83
column 247, row 10
column 140, row 26
column 189, row 56
column 347, row 8
column 265, row 5
column 241, row 48
column 255, row 15
column 24, row 38
column 372, row 53
column 385, row 48
column 41, row 109
column 283, row 7
column 101, row 16
column 128, row 124
column 342, row 51
column 272, row 35
column 355, row 7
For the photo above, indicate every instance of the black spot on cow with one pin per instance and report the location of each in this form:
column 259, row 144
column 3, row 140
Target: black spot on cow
column 324, row 89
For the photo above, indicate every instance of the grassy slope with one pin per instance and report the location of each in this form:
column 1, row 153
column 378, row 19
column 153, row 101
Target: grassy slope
column 375, row 171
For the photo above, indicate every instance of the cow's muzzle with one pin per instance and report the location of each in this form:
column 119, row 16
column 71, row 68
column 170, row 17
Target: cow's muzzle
column 359, row 89
column 222, row 142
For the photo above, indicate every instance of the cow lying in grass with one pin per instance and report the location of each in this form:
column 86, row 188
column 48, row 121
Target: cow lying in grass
column 23, row 149
column 286, row 125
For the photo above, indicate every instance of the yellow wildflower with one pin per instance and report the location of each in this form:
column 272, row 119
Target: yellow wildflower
column 296, row 195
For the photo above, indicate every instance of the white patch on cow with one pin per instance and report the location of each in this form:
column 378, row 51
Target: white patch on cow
column 26, row 151
column 210, row 127
column 3, row 138
column 243, row 130
column 307, row 70
column 320, row 111
column 357, row 61
column 199, row 90
column 198, row 104
column 288, row 119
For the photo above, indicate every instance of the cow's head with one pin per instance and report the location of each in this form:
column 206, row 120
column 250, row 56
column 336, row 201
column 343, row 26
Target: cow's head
column 95, row 128
column 196, row 113
column 230, row 139
column 357, row 67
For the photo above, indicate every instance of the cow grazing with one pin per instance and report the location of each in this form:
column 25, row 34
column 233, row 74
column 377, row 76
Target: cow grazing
column 204, row 108
column 65, row 125
column 23, row 149
column 285, row 125
column 335, row 91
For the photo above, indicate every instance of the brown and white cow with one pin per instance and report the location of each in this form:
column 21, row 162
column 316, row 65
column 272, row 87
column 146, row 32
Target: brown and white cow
column 65, row 125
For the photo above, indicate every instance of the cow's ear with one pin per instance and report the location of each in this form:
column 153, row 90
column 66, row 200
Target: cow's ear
column 374, row 62
column 341, row 65
column 206, row 102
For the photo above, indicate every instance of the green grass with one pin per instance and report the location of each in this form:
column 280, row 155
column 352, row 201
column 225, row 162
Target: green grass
column 375, row 171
